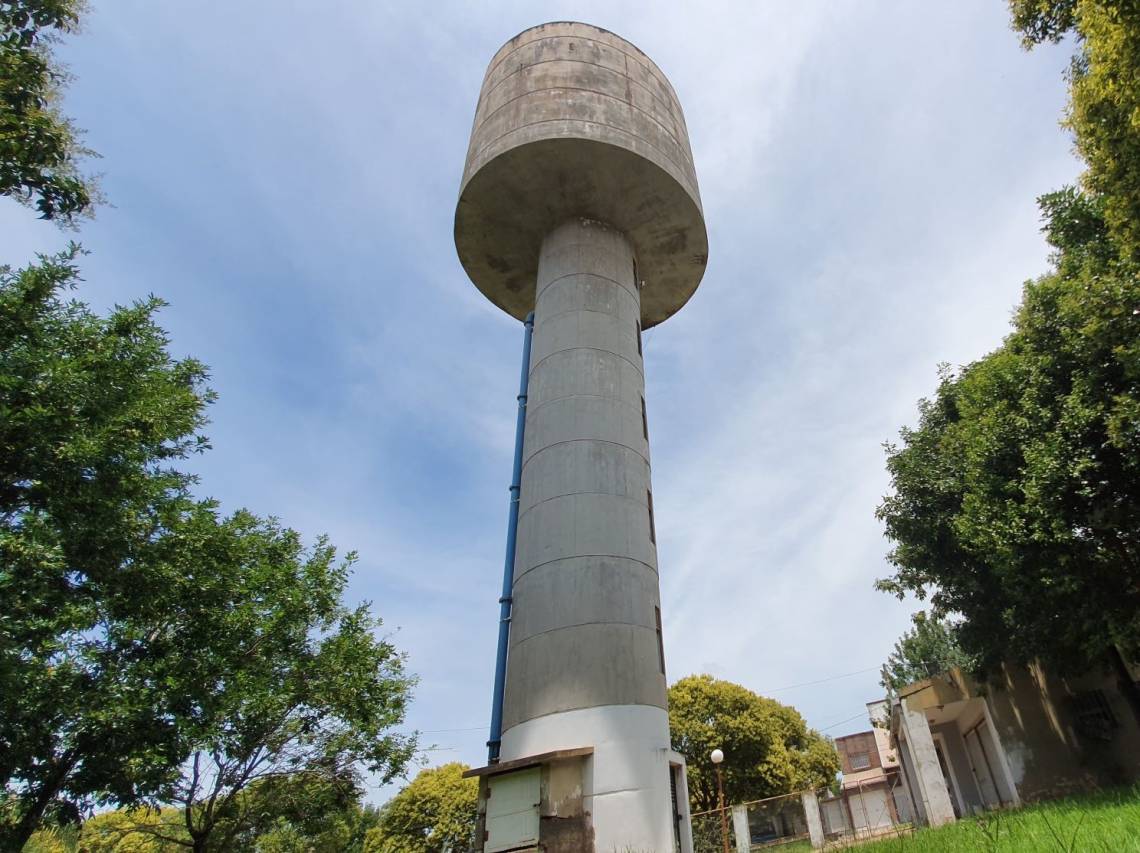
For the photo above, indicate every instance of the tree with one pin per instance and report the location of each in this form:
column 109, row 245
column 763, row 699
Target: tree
column 290, row 814
column 140, row 629
column 435, row 811
column 768, row 748
column 926, row 650
column 302, row 686
column 92, row 411
column 1042, row 20
column 39, row 148
column 1104, row 89
column 300, row 813
column 1016, row 499
column 133, row 831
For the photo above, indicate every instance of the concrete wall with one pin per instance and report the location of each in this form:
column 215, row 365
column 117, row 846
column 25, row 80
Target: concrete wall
column 928, row 782
column 620, row 96
column 579, row 201
column 625, row 787
column 585, row 587
column 573, row 120
column 917, row 808
column 585, row 666
column 1047, row 752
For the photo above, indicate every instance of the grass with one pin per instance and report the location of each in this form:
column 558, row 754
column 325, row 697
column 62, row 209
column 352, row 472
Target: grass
column 790, row 847
column 1108, row 821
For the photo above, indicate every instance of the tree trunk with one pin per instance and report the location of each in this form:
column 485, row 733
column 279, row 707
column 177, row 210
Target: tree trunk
column 29, row 822
column 1128, row 687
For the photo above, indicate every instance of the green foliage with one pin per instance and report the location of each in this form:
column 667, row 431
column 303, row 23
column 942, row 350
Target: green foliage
column 39, row 148
column 54, row 839
column 1104, row 113
column 1104, row 99
column 136, row 831
column 928, row 649
column 435, row 810
column 291, row 814
column 92, row 411
column 304, row 813
column 293, row 681
column 1042, row 20
column 1016, row 498
column 140, row 628
column 768, row 748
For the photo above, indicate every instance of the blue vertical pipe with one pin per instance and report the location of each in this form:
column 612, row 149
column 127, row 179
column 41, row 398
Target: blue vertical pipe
column 506, row 600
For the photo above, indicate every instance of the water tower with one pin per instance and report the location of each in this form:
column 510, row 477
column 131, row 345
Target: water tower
column 579, row 205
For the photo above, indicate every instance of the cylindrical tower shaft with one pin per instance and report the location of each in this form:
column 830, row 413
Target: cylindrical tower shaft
column 586, row 660
column 579, row 201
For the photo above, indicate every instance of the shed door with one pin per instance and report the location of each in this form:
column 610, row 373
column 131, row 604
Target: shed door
column 512, row 810
column 979, row 763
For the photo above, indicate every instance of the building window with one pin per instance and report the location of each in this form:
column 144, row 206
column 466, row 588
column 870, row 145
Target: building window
column 859, row 760
column 1094, row 718
column 652, row 527
column 660, row 640
column 639, row 337
column 644, row 420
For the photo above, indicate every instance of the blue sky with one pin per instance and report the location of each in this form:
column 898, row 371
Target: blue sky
column 285, row 174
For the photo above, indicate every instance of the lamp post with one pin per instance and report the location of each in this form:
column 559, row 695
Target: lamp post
column 717, row 756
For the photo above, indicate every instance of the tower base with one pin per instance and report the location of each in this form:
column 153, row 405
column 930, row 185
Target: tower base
column 566, row 801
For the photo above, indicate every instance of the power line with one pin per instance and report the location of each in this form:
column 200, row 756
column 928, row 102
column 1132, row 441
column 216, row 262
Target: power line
column 841, row 722
column 824, row 680
column 447, row 731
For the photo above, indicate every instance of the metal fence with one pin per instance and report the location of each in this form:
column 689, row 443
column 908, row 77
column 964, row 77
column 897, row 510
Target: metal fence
column 707, row 833
column 775, row 823
column 861, row 811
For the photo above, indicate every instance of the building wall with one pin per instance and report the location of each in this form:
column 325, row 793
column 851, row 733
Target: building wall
column 906, row 766
column 880, row 714
column 1048, row 742
column 863, row 743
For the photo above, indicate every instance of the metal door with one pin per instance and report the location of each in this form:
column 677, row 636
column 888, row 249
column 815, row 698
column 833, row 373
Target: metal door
column 512, row 810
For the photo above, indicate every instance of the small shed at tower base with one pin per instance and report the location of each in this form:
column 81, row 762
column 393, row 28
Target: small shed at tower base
column 542, row 802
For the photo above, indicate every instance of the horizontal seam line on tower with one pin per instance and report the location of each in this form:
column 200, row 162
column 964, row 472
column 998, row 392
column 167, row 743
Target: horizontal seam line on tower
column 613, row 281
column 651, row 67
column 545, row 358
column 483, row 96
column 546, row 318
column 580, row 440
column 545, row 403
column 573, row 494
column 546, row 563
column 583, row 625
column 671, row 133
column 507, row 728
column 636, row 302
column 665, row 156
column 649, row 566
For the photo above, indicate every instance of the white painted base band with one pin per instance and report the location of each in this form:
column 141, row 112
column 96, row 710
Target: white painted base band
column 626, row 784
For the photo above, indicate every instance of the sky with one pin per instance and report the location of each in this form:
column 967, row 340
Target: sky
column 284, row 174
